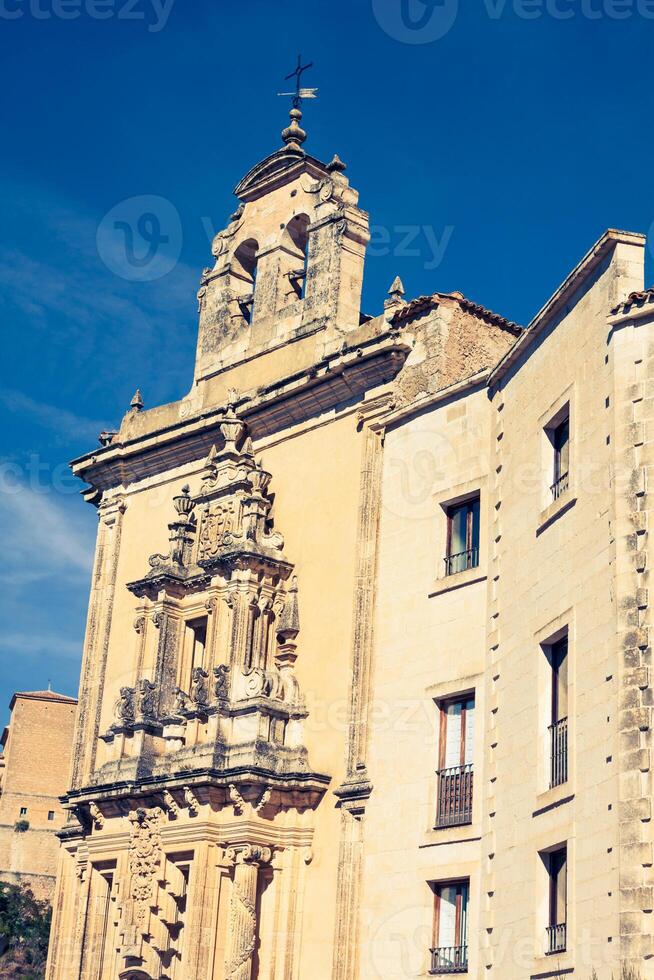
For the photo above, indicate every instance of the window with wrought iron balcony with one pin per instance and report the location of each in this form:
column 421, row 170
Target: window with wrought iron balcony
column 455, row 772
column 449, row 953
column 559, row 436
column 558, row 728
column 556, row 863
column 462, row 550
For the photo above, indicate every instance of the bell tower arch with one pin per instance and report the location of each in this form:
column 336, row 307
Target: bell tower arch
column 289, row 265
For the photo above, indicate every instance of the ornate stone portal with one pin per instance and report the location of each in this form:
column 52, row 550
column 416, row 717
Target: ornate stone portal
column 206, row 743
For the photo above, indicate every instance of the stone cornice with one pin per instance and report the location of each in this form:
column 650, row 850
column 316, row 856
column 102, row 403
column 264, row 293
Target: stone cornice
column 334, row 380
column 311, row 783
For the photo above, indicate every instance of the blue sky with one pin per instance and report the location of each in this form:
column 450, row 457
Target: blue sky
column 492, row 142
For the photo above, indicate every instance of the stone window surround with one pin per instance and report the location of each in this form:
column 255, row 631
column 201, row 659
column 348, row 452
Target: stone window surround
column 550, row 509
column 560, row 964
column 555, row 629
column 438, row 693
column 443, row 500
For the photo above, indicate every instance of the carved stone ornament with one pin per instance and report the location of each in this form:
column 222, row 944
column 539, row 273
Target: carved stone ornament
column 326, row 191
column 237, row 800
column 144, row 857
column 182, row 701
column 96, row 815
column 124, row 708
column 221, row 682
column 191, row 801
column 199, row 688
column 265, row 799
column 146, row 701
column 171, row 804
column 249, row 854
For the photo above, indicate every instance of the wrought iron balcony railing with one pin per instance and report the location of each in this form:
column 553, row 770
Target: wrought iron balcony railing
column 449, row 959
column 461, row 561
column 556, row 939
column 560, row 486
column 454, row 796
column 558, row 752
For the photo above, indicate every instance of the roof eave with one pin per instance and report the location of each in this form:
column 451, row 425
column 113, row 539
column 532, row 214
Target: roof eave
column 602, row 247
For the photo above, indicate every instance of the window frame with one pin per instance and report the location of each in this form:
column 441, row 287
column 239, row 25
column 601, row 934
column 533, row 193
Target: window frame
column 472, row 506
column 462, row 886
column 559, row 652
column 553, row 883
column 558, row 422
column 443, row 705
column 455, row 783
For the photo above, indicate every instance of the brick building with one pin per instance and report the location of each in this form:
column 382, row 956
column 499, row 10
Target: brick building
column 34, row 773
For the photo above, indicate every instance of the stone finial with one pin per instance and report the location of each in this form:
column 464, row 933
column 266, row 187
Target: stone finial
column 183, row 502
column 137, row 401
column 294, row 136
column 336, row 165
column 395, row 293
column 289, row 621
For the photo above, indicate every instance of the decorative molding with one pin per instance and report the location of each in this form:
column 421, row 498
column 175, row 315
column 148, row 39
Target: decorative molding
column 145, row 855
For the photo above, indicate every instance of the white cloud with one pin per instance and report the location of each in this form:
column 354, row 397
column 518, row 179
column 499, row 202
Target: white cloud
column 40, row 540
column 37, row 644
column 64, row 423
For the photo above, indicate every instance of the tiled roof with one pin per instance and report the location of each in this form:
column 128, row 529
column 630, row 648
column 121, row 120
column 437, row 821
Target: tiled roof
column 423, row 303
column 634, row 299
column 42, row 696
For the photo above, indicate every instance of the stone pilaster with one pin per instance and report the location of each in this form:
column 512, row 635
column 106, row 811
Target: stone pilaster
column 243, row 911
column 96, row 641
column 632, row 360
column 356, row 788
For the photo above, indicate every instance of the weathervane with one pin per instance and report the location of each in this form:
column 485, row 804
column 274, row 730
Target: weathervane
column 300, row 93
column 294, row 136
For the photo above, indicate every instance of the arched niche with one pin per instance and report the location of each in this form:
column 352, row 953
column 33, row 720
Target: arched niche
column 297, row 239
column 244, row 266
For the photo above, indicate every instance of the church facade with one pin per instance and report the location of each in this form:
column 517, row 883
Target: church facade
column 366, row 680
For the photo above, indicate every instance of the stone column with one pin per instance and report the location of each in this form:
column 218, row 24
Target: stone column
column 243, row 913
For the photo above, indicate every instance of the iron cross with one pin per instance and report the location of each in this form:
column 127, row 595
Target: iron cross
column 297, row 75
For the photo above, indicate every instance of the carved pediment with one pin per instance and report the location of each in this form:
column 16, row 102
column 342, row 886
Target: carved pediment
column 280, row 167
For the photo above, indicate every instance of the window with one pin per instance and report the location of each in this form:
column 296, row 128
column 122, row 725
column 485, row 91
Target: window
column 197, row 642
column 462, row 536
column 23, row 811
column 558, row 729
column 558, row 433
column 455, row 770
column 51, row 814
column 449, row 953
column 556, row 863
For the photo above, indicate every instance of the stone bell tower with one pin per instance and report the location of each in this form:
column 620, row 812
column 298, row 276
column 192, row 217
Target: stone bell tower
column 206, row 827
column 290, row 263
